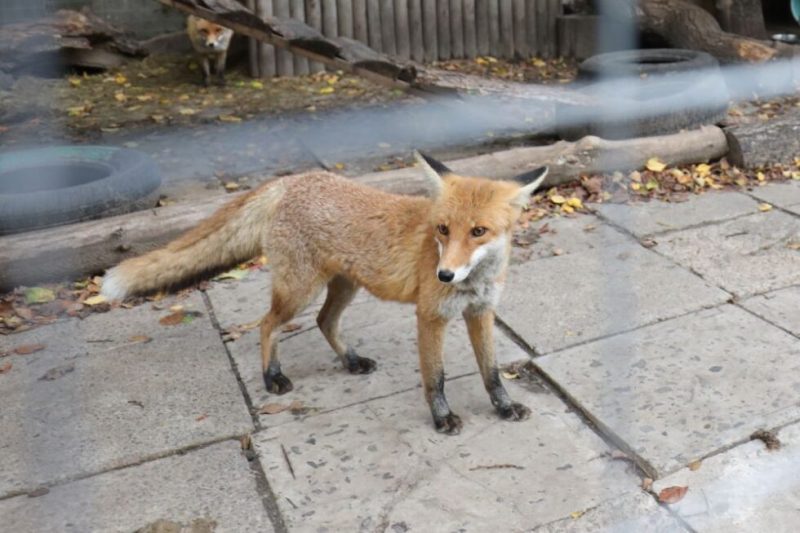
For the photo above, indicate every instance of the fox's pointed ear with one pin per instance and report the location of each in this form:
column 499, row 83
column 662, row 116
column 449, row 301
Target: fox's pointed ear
column 530, row 182
column 434, row 170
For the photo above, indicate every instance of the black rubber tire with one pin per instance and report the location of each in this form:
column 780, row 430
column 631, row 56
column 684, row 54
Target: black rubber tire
column 104, row 181
column 659, row 106
column 641, row 63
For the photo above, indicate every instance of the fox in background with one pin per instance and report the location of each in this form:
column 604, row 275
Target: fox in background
column 210, row 41
column 447, row 254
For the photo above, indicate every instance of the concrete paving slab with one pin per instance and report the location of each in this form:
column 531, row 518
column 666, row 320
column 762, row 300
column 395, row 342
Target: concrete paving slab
column 213, row 484
column 648, row 218
column 779, row 307
column 785, row 195
column 748, row 255
column 94, row 399
column 631, row 513
column 382, row 463
column 679, row 390
column 565, row 236
column 562, row 301
column 383, row 331
column 747, row 488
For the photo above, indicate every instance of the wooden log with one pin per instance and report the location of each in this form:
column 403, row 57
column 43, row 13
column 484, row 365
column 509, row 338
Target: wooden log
column 374, row 25
column 507, row 28
column 360, row 28
column 553, row 11
column 482, row 26
column 541, row 27
column 283, row 59
column 443, row 22
column 388, row 36
column 402, row 31
column 470, row 30
column 430, row 33
column 314, row 19
column 457, row 29
column 520, row 30
column 495, row 48
column 77, row 250
column 685, row 25
column 763, row 143
column 298, row 11
column 267, row 59
column 416, row 30
column 577, row 36
column 344, row 17
column 532, row 28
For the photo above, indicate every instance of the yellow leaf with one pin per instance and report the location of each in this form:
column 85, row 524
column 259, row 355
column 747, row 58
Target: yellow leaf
column 536, row 62
column 326, row 90
column 557, row 199
column 144, row 97
column 188, row 111
column 255, row 84
column 481, row 61
column 796, row 175
column 510, row 375
column 231, row 186
column 119, row 96
column 183, row 97
column 760, row 176
column 793, row 245
column 702, row 169
column 119, row 79
column 576, row 514
column 565, row 208
column 95, row 300
column 75, row 82
column 764, row 207
column 636, row 186
column 229, row 118
column 655, row 164
column 338, row 166
column 741, row 182
column 575, row 202
column 651, row 184
column 635, row 176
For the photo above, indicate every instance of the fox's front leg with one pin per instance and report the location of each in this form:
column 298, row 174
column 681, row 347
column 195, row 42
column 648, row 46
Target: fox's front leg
column 205, row 64
column 219, row 68
column 430, row 333
column 480, row 325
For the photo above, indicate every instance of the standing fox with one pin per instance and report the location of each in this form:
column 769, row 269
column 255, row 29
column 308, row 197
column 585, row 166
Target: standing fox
column 210, row 41
column 448, row 254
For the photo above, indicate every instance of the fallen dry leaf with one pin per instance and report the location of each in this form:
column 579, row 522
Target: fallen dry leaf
column 695, row 465
column 179, row 317
column 140, row 338
column 201, row 418
column 291, row 326
column 5, row 367
column 26, row 349
column 576, row 514
column 39, row 295
column 764, row 207
column 672, row 494
column 97, row 299
column 647, row 483
column 655, row 164
column 275, row 408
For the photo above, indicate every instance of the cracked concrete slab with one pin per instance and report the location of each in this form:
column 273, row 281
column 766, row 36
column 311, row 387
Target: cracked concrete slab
column 648, row 218
column 213, row 484
column 562, row 301
column 681, row 389
column 383, row 331
column 631, row 513
column 748, row 255
column 779, row 307
column 94, row 399
column 564, row 236
column 785, row 195
column 381, row 464
column 747, row 488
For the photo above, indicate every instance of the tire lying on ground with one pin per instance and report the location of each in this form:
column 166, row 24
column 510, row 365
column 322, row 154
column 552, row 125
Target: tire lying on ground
column 647, row 62
column 654, row 101
column 61, row 185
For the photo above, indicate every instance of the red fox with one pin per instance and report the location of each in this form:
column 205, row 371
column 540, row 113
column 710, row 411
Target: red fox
column 211, row 41
column 448, row 254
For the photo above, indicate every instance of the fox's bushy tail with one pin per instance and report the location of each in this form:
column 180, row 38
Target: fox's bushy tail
column 230, row 236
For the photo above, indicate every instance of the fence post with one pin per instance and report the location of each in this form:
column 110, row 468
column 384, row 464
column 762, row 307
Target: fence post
column 360, row 31
column 470, row 31
column 430, row 28
column 314, row 19
column 298, row 11
column 507, row 28
column 457, row 28
column 374, row 25
column 401, row 29
column 416, row 29
column 443, row 21
column 520, row 39
column 267, row 59
column 387, row 27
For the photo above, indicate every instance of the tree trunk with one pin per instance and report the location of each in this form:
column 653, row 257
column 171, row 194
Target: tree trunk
column 685, row 25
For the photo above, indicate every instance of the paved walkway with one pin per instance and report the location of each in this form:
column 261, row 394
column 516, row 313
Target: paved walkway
column 650, row 341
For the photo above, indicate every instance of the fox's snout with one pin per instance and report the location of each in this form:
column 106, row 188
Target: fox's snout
column 445, row 276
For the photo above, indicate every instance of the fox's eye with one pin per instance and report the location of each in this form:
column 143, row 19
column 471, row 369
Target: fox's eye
column 441, row 228
column 478, row 231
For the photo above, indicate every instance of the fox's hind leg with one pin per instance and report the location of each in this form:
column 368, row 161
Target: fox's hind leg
column 341, row 292
column 290, row 294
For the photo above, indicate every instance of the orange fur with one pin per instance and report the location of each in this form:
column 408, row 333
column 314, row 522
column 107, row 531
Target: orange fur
column 319, row 229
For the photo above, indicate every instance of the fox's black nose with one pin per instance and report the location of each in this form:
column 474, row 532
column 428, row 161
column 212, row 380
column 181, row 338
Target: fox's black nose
column 446, row 275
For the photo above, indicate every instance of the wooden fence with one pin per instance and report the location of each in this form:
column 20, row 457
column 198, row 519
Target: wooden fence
column 422, row 30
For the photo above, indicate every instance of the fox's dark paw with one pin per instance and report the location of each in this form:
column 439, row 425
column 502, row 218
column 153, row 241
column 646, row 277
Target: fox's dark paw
column 277, row 383
column 515, row 411
column 360, row 365
column 450, row 424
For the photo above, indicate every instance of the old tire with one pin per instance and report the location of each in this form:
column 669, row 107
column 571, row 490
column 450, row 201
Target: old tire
column 60, row 185
column 642, row 63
